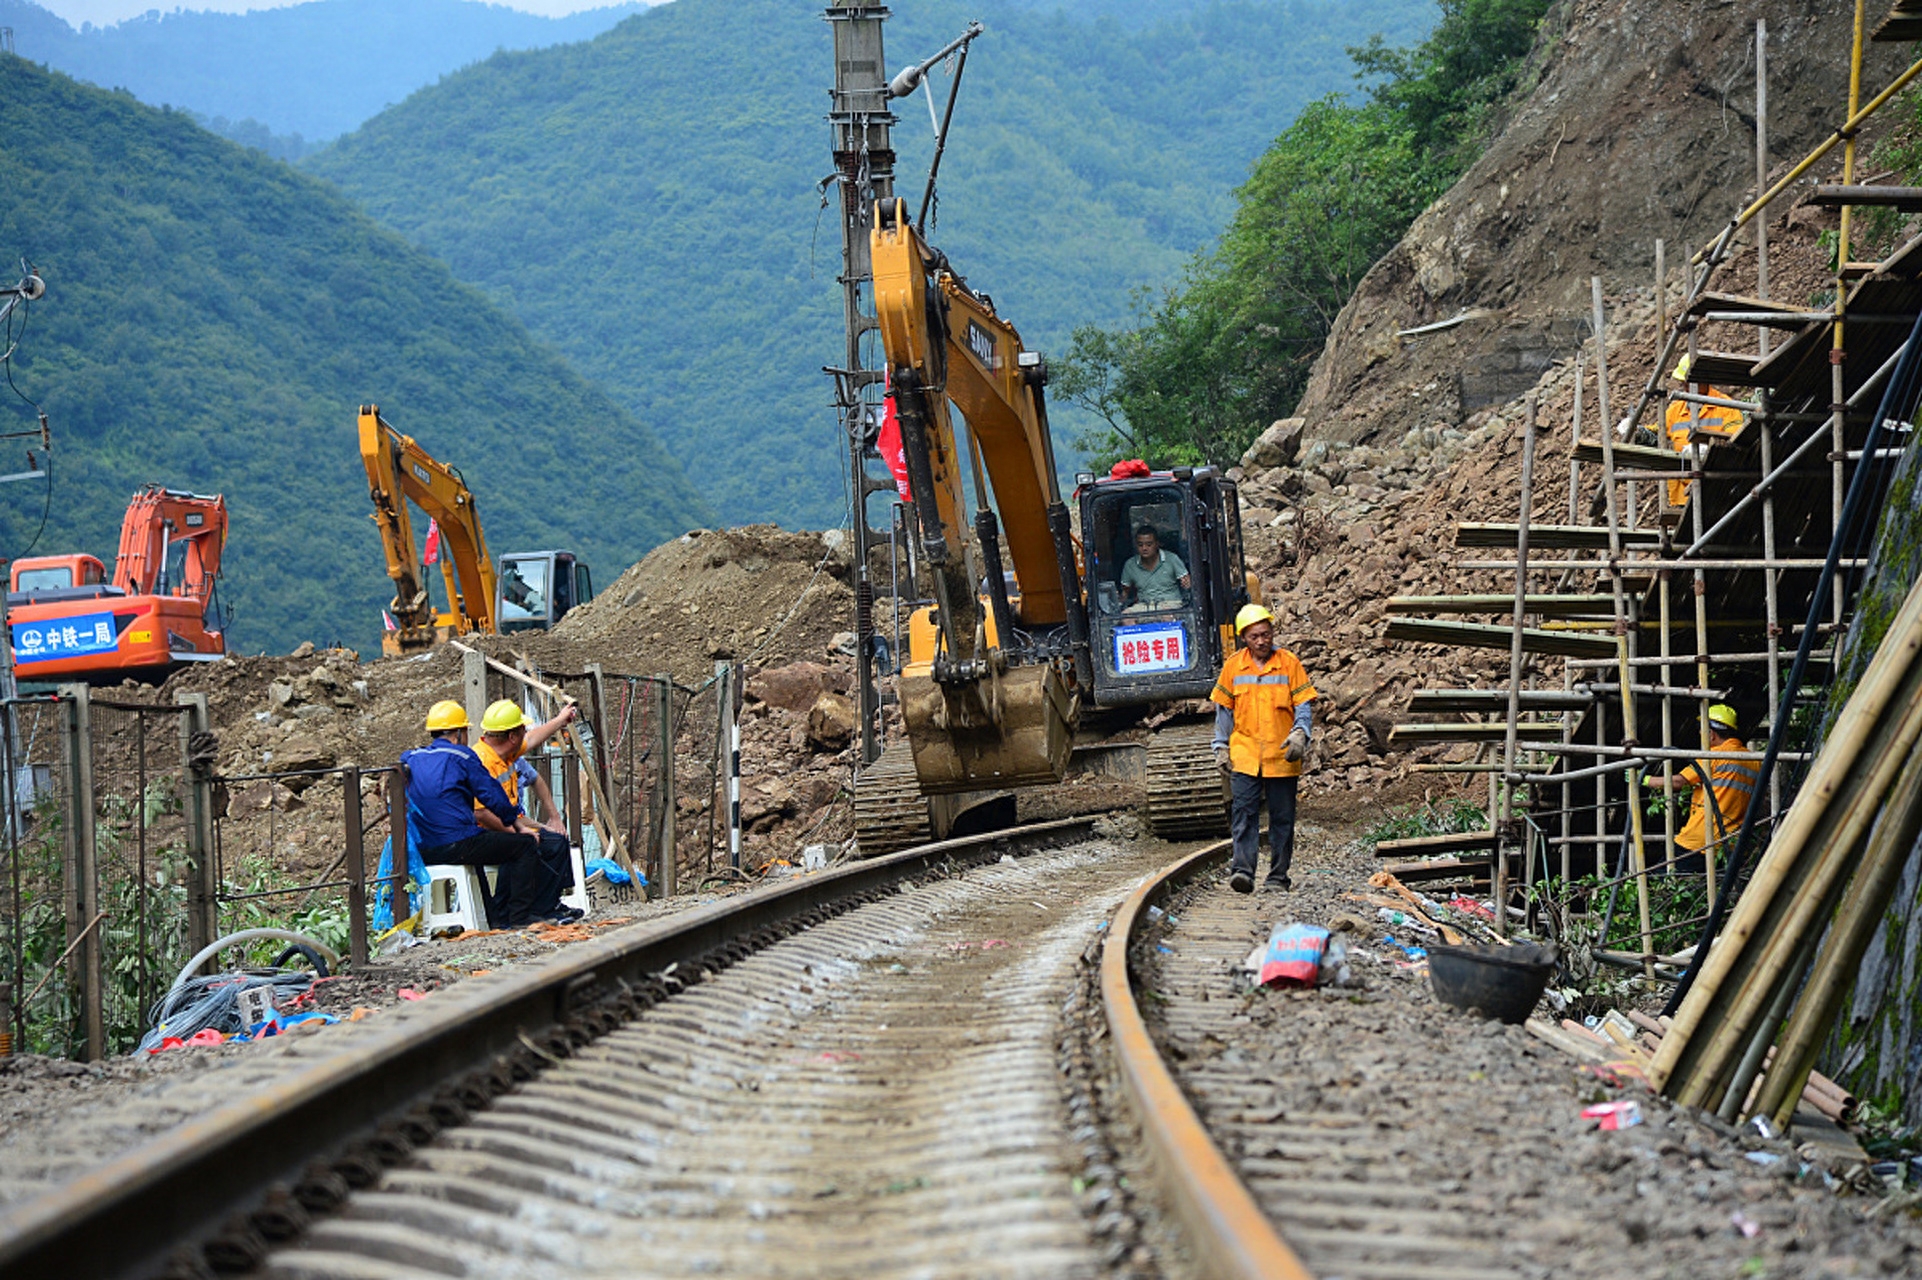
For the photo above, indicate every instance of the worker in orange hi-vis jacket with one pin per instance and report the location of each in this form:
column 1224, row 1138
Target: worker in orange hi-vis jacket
column 1715, row 419
column 1717, row 808
column 1264, row 712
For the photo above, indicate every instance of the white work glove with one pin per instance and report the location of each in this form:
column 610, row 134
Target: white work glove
column 1625, row 428
column 1296, row 747
column 1221, row 761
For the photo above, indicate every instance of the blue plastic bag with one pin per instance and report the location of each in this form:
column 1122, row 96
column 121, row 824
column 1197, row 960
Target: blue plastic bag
column 383, row 917
column 612, row 870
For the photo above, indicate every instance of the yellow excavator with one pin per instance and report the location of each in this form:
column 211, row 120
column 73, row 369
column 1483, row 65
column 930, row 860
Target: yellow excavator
column 532, row 591
column 1014, row 667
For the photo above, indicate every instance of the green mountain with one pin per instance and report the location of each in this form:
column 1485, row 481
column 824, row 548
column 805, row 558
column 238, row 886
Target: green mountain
column 212, row 320
column 309, row 70
column 648, row 201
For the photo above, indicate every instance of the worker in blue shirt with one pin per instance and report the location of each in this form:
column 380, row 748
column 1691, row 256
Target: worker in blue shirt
column 445, row 779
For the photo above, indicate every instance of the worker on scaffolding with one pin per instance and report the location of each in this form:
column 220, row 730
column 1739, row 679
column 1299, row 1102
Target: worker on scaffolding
column 506, row 741
column 445, row 780
column 1264, row 712
column 1716, row 808
column 1687, row 419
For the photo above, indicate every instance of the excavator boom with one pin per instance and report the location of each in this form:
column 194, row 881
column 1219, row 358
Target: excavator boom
column 984, row 702
column 399, row 471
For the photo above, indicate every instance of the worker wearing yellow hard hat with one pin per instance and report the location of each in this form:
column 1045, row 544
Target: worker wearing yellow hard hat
column 506, row 741
column 1714, row 419
column 447, row 786
column 1717, row 809
column 1264, row 713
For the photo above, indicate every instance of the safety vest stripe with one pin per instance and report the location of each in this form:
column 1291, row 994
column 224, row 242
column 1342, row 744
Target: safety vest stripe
column 1274, row 679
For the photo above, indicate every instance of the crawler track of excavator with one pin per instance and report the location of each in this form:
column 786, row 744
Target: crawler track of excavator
column 1186, row 799
column 890, row 812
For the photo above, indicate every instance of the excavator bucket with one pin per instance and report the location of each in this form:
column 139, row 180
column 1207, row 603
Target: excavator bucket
column 1012, row 728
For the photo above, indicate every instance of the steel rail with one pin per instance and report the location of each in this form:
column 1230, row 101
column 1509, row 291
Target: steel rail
column 1231, row 1237
column 212, row 1193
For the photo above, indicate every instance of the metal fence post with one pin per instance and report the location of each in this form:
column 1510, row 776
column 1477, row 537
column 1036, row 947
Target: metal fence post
column 196, row 767
column 397, row 832
column 82, row 870
column 356, row 867
column 664, row 788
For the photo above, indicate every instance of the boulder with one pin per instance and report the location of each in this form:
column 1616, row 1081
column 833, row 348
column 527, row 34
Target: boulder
column 1275, row 447
column 794, row 687
column 832, row 721
column 300, row 751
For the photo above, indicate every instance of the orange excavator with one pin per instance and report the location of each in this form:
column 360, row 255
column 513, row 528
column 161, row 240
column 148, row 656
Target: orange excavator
column 160, row 611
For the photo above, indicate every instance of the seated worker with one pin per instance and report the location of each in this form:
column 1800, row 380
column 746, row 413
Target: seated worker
column 1714, row 419
column 1731, row 786
column 444, row 782
column 1153, row 578
column 505, row 741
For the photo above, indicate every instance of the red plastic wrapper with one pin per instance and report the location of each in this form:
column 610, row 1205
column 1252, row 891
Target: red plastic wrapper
column 1293, row 955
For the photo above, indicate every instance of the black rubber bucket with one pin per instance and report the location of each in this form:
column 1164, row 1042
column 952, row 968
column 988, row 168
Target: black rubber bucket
column 1502, row 982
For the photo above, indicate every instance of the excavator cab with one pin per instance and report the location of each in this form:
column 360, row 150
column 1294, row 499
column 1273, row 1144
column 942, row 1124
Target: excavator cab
column 537, row 588
column 1160, row 631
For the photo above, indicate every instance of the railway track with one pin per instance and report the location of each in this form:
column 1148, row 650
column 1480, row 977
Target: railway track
column 859, row 1073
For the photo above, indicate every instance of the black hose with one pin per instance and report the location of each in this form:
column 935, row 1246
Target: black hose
column 1900, row 391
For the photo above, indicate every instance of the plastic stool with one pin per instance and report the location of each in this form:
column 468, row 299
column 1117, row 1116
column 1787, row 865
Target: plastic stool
column 455, row 900
column 577, row 896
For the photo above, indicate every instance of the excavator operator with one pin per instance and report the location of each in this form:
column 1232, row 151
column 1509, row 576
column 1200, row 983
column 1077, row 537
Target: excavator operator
column 506, row 739
column 445, row 779
column 1153, row 578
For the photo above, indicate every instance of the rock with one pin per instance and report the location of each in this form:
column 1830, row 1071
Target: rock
column 794, row 687
column 831, row 722
column 844, row 643
column 1277, row 446
column 764, row 803
column 306, row 650
column 1317, row 483
column 314, row 711
column 279, row 694
column 301, row 751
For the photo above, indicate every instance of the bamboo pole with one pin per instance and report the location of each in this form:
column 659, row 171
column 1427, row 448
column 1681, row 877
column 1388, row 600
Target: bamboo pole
column 1515, row 662
column 1624, row 634
column 1828, row 783
column 1762, row 172
column 1860, row 915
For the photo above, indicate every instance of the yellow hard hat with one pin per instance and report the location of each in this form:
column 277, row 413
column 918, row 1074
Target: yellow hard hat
column 1251, row 614
column 446, row 714
column 1723, row 714
column 503, row 716
column 1681, row 370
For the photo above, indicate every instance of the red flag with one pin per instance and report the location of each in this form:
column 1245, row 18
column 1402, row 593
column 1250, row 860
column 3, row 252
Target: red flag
column 432, row 554
column 888, row 444
column 388, row 619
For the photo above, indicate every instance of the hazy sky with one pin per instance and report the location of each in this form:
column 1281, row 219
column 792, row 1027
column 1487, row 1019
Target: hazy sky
column 105, row 12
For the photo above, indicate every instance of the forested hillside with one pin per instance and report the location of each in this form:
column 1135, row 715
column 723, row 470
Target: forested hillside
column 212, row 320
column 313, row 70
column 648, row 201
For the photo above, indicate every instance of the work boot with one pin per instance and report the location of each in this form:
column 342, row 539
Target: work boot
column 1277, row 884
column 1241, row 882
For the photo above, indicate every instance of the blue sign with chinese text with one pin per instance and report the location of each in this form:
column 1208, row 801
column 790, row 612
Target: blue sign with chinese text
column 77, row 637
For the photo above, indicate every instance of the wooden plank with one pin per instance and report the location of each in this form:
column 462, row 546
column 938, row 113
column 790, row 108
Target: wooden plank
column 1713, row 301
column 1483, row 635
column 1496, row 700
column 1429, row 846
column 1647, row 457
column 1425, row 735
column 1545, row 605
column 1833, row 195
column 1550, row 537
column 1723, row 368
column 1444, row 869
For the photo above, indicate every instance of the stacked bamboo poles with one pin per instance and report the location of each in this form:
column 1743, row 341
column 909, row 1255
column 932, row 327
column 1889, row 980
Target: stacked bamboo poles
column 1830, row 850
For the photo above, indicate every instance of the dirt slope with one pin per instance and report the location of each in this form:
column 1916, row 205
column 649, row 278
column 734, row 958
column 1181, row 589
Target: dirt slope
column 1641, row 127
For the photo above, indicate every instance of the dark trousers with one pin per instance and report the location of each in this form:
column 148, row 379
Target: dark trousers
column 558, row 857
column 526, row 890
column 1249, row 791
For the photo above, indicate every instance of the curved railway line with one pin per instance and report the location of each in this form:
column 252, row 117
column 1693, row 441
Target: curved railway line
column 860, row 1073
